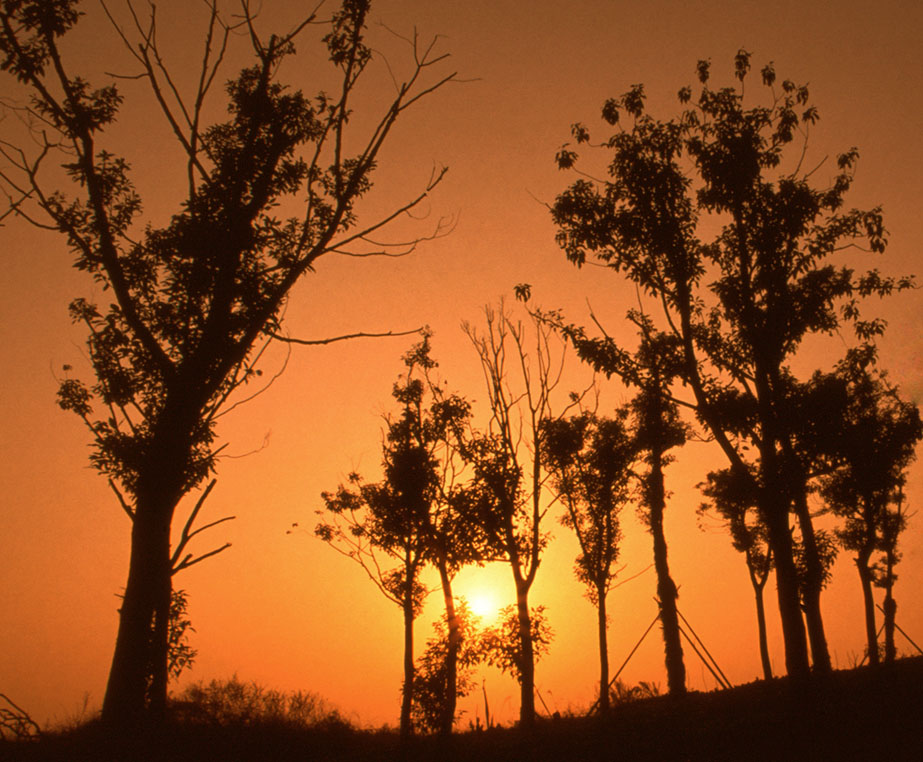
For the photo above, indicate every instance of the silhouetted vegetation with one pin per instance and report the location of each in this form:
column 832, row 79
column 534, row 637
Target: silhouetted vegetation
column 824, row 719
column 737, row 305
column 522, row 372
column 193, row 304
column 590, row 459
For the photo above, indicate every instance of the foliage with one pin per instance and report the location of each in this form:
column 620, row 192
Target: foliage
column 590, row 459
column 180, row 655
column 431, row 673
column 191, row 306
column 742, row 254
column 502, row 644
column 235, row 703
column 622, row 693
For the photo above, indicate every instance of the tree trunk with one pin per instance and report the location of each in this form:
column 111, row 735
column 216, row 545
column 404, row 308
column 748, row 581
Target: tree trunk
column 125, row 705
column 527, row 667
column 813, row 585
column 868, row 600
column 787, row 591
column 406, row 730
column 758, row 586
column 890, row 608
column 666, row 589
column 602, row 622
column 451, row 659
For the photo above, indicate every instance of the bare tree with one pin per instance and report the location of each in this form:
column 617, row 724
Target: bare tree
column 522, row 369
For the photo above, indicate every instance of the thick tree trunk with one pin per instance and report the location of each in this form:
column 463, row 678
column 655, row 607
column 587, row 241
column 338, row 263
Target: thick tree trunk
column 451, row 659
column 125, row 704
column 774, row 507
column 527, row 668
column 788, row 594
column 813, row 586
column 602, row 624
column 868, row 601
column 666, row 589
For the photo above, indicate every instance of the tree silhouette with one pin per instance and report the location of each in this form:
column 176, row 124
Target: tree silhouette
column 875, row 441
column 503, row 645
column 521, row 373
column 590, row 459
column 740, row 303
column 735, row 502
column 657, row 429
column 414, row 515
column 192, row 304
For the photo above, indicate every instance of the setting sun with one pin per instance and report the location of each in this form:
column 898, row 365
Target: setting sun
column 484, row 604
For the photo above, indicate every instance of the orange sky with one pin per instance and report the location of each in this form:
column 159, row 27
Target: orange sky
column 287, row 611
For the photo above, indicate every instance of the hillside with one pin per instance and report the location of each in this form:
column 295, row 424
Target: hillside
column 860, row 714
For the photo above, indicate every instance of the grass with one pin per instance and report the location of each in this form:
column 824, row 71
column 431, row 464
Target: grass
column 858, row 714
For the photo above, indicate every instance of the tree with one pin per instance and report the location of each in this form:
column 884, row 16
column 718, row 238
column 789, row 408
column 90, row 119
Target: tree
column 193, row 304
column 651, row 369
column 590, row 459
column 413, row 516
column 740, row 303
column 507, row 482
column 875, row 440
column 735, row 502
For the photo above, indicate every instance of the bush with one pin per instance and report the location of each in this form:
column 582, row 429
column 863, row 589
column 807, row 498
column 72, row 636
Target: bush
column 233, row 702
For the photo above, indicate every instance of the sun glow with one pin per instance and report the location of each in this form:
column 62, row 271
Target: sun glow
column 484, row 603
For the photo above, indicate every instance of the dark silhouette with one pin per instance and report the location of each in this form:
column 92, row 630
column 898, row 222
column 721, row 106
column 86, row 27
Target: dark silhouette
column 189, row 306
column 657, row 429
column 501, row 645
column 735, row 501
column 874, row 439
column 444, row 672
column 414, row 516
column 590, row 459
column 770, row 276
column 521, row 372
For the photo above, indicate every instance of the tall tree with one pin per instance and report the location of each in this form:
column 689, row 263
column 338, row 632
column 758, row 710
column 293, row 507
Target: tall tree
column 740, row 301
column 192, row 303
column 522, row 369
column 405, row 515
column 651, row 370
column 590, row 459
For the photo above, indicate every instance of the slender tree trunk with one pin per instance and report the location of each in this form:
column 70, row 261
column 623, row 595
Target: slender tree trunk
column 602, row 623
column 813, row 585
column 527, row 668
column 868, row 600
column 758, row 586
column 406, row 730
column 666, row 589
column 125, row 704
column 451, row 659
column 890, row 607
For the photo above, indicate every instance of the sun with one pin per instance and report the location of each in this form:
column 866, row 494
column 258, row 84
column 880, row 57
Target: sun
column 484, row 603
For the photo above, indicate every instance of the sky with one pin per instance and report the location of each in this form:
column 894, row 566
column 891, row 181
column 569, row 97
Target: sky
column 282, row 608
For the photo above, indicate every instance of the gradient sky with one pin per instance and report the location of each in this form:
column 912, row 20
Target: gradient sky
column 284, row 609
